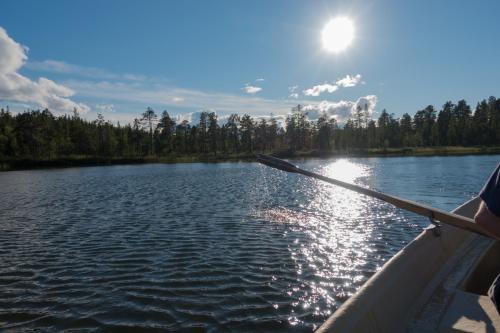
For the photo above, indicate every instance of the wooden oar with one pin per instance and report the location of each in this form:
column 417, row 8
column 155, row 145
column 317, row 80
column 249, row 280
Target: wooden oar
column 412, row 206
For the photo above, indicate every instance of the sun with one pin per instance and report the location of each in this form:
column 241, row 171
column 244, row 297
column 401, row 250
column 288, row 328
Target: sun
column 337, row 34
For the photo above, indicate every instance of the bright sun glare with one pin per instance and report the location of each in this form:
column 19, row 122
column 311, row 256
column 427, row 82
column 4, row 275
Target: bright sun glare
column 337, row 34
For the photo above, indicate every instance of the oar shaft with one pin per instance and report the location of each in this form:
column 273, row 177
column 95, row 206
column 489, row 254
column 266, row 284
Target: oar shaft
column 412, row 206
column 438, row 214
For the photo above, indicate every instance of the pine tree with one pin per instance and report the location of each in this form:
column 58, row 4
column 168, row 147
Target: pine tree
column 148, row 120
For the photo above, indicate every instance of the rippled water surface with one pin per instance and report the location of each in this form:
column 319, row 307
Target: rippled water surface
column 207, row 247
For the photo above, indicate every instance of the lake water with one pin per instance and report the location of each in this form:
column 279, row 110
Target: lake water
column 207, row 247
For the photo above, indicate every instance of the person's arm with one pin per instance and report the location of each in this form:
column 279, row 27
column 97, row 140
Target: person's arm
column 489, row 221
column 488, row 214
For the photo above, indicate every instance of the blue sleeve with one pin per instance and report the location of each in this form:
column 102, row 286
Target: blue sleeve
column 491, row 192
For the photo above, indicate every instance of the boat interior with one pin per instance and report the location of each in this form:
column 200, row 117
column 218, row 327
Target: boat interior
column 483, row 273
column 471, row 309
column 463, row 293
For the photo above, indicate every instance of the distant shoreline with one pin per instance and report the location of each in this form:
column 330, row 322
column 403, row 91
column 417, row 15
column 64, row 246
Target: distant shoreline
column 82, row 161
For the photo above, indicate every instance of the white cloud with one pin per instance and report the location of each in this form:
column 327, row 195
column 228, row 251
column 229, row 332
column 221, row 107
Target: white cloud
column 15, row 87
column 53, row 88
column 341, row 110
column 367, row 103
column 317, row 90
column 293, row 95
column 260, row 80
column 177, row 99
column 347, row 81
column 12, row 56
column 251, row 89
column 61, row 67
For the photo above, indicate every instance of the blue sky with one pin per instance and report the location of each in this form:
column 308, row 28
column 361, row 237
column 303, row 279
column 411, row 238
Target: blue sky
column 119, row 57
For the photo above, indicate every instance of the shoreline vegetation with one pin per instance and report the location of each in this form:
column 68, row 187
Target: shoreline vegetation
column 83, row 161
column 40, row 139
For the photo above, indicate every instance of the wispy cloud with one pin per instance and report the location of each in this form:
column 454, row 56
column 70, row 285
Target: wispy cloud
column 251, row 89
column 105, row 107
column 260, row 80
column 293, row 92
column 61, row 67
column 164, row 96
column 348, row 81
column 15, row 87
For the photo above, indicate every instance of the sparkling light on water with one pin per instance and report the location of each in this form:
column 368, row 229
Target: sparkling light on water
column 335, row 223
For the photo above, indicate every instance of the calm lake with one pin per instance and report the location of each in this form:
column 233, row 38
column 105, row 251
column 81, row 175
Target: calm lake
column 234, row 247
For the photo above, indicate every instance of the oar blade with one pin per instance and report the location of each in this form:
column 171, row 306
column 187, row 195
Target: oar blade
column 276, row 163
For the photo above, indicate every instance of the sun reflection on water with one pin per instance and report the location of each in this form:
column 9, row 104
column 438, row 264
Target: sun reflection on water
column 331, row 250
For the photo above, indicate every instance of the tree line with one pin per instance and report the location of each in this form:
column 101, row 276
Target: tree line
column 38, row 134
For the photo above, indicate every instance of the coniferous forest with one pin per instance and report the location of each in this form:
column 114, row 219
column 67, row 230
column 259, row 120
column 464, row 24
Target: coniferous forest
column 39, row 135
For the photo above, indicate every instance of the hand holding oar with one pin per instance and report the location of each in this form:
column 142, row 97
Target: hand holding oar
column 412, row 206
